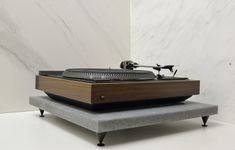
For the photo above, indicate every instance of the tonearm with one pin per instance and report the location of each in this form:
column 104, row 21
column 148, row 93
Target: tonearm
column 128, row 64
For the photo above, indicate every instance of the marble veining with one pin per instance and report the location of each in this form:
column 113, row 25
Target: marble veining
column 40, row 35
column 11, row 43
column 196, row 35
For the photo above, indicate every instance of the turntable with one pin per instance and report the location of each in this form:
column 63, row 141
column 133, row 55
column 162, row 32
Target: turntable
column 96, row 89
column 142, row 97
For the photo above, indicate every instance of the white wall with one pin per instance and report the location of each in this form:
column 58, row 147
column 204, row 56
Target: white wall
column 197, row 35
column 57, row 34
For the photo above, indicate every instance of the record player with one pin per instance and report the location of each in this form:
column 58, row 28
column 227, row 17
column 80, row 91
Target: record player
column 95, row 88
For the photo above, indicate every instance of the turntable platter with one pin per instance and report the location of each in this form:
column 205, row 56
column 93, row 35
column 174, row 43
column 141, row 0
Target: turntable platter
column 108, row 74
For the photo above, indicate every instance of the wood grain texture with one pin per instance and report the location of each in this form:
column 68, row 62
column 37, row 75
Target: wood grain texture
column 98, row 93
column 121, row 92
column 66, row 88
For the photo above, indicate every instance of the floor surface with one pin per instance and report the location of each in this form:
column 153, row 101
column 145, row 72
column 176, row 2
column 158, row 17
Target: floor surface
column 27, row 131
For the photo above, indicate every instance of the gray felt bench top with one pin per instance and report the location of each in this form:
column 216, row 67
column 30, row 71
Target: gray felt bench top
column 117, row 120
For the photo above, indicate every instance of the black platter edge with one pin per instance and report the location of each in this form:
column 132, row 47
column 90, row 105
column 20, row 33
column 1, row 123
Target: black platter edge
column 117, row 106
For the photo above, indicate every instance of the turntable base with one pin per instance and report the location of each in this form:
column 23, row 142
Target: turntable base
column 107, row 121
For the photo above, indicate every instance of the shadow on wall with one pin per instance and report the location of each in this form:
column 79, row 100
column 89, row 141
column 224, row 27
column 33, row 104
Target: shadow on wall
column 129, row 135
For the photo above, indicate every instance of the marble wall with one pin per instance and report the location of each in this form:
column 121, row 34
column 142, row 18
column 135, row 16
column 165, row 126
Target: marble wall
column 57, row 34
column 196, row 35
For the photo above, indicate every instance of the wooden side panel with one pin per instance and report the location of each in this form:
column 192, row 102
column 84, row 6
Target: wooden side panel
column 107, row 93
column 67, row 88
column 98, row 93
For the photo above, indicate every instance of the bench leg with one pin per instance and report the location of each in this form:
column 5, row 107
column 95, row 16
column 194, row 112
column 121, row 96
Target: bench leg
column 41, row 112
column 204, row 119
column 101, row 138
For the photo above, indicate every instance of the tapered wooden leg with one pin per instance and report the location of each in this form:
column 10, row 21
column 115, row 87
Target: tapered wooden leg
column 101, row 138
column 41, row 112
column 204, row 119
